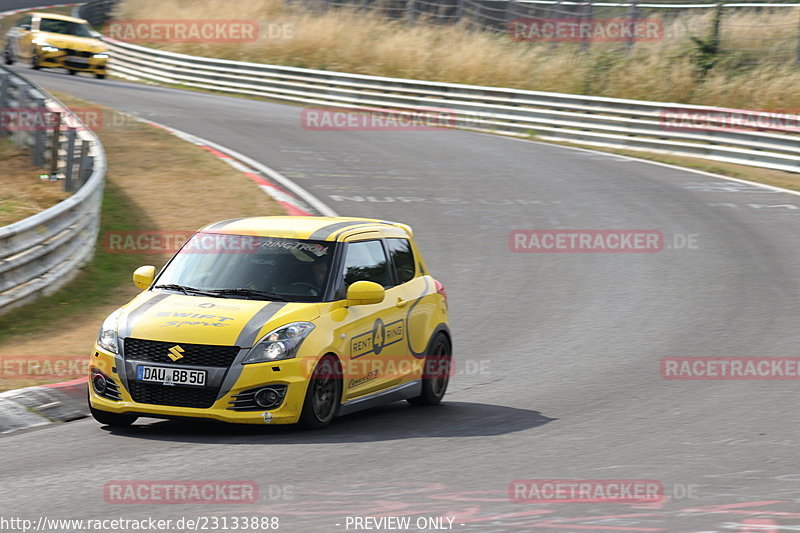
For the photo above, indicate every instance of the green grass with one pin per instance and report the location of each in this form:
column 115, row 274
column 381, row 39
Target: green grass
column 96, row 283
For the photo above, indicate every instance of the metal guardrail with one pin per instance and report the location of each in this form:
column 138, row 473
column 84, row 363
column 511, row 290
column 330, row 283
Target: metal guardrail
column 41, row 253
column 595, row 121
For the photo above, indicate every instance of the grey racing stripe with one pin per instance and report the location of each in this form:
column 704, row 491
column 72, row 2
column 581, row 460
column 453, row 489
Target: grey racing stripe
column 247, row 337
column 325, row 232
column 134, row 315
column 245, row 340
column 124, row 332
column 220, row 225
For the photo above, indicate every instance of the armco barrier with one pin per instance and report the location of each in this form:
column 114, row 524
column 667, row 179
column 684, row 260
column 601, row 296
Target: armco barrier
column 597, row 121
column 42, row 252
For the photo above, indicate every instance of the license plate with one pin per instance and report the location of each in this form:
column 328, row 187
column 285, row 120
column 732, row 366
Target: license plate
column 170, row 376
column 76, row 59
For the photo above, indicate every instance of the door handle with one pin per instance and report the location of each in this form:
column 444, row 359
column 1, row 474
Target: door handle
column 401, row 302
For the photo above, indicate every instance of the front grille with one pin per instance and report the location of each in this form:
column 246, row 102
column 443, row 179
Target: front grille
column 77, row 53
column 156, row 394
column 193, row 354
column 73, row 64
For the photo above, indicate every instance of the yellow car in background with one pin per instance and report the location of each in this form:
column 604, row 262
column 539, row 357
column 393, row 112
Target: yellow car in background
column 276, row 320
column 47, row 40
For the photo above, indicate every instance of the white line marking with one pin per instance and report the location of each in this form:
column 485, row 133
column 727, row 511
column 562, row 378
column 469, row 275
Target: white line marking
column 665, row 165
column 274, row 175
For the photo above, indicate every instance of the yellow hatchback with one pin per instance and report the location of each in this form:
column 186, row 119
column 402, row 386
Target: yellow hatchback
column 50, row 40
column 276, row 320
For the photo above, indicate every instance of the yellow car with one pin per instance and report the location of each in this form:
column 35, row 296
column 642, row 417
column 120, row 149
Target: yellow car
column 49, row 40
column 276, row 320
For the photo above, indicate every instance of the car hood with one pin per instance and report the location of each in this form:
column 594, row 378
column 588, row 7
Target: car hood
column 203, row 320
column 83, row 44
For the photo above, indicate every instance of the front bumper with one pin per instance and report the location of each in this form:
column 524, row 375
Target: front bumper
column 62, row 59
column 291, row 372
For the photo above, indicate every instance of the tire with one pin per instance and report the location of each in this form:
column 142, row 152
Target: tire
column 324, row 394
column 436, row 374
column 112, row 419
column 8, row 56
column 35, row 62
column 100, row 76
column 72, row 72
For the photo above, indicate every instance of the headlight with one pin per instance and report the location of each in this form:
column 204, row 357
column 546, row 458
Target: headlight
column 103, row 55
column 281, row 343
column 48, row 48
column 107, row 338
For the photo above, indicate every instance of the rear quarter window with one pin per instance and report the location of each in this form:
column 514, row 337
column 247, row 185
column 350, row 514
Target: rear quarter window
column 402, row 255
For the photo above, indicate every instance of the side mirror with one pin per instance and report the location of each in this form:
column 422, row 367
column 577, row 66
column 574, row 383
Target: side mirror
column 143, row 276
column 365, row 293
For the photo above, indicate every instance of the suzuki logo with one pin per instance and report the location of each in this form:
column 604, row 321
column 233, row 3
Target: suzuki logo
column 175, row 353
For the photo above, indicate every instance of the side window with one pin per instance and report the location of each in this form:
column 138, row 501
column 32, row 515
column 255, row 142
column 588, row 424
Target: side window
column 25, row 20
column 403, row 258
column 366, row 261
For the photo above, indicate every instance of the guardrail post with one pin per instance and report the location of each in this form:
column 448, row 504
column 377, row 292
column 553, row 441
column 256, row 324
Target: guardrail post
column 19, row 136
column 411, row 7
column 588, row 15
column 511, row 13
column 39, row 132
column 553, row 8
column 55, row 145
column 633, row 14
column 68, row 185
column 85, row 164
column 797, row 59
column 459, row 10
column 5, row 81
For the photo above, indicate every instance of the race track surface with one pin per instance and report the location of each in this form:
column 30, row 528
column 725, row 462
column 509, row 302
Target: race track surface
column 558, row 353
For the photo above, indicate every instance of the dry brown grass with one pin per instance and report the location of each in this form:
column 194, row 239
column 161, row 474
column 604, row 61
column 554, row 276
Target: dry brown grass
column 756, row 71
column 22, row 192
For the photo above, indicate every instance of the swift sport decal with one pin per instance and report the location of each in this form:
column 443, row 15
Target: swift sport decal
column 192, row 319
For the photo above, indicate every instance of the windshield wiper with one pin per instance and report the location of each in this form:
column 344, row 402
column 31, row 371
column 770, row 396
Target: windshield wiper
column 252, row 293
column 184, row 289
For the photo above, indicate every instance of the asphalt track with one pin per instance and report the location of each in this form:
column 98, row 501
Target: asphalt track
column 570, row 344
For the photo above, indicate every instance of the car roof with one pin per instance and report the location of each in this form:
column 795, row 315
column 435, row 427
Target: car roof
column 312, row 228
column 58, row 17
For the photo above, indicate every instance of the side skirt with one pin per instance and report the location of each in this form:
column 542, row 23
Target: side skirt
column 412, row 389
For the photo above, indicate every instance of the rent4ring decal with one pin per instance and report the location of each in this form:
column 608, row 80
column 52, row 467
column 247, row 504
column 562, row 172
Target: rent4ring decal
column 381, row 336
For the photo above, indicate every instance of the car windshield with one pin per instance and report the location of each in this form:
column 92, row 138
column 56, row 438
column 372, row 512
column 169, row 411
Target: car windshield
column 64, row 27
column 245, row 266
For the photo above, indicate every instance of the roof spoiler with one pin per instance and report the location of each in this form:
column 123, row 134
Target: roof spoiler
column 405, row 227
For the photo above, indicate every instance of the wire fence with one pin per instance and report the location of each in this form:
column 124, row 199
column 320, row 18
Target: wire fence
column 765, row 29
column 754, row 32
